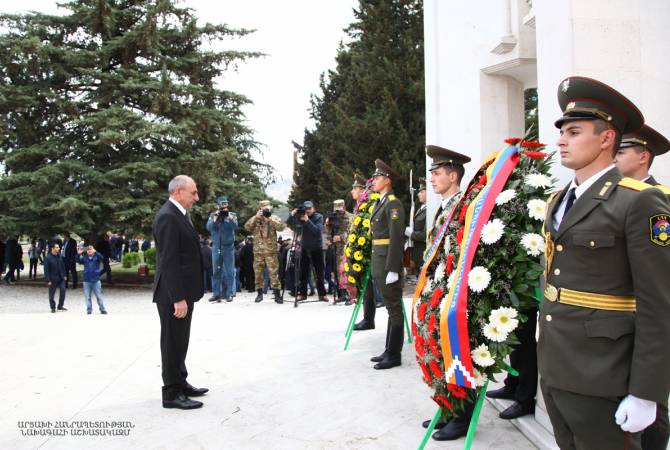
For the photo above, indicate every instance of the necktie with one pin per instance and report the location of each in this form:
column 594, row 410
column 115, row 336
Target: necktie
column 189, row 219
column 570, row 202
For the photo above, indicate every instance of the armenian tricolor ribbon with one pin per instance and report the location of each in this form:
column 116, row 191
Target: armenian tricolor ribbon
column 453, row 319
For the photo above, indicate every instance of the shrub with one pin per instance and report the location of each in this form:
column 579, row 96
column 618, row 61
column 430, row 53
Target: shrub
column 150, row 258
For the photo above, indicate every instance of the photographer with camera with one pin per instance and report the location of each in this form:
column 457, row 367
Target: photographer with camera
column 222, row 225
column 337, row 229
column 308, row 224
column 264, row 226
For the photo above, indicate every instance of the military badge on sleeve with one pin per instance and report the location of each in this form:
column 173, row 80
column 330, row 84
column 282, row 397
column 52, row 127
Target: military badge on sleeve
column 394, row 215
column 659, row 226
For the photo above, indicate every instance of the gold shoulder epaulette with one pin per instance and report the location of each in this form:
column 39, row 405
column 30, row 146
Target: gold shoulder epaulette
column 637, row 185
column 392, row 197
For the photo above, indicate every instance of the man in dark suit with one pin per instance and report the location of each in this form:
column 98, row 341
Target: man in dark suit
column 56, row 276
column 70, row 258
column 178, row 284
column 11, row 259
column 634, row 158
column 417, row 233
column 604, row 337
column 387, row 226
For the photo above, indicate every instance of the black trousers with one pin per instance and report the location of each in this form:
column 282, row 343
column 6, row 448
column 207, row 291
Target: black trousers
column 106, row 269
column 32, row 269
column 175, row 335
column 71, row 272
column 369, row 304
column 524, row 359
column 11, row 270
column 60, row 285
column 315, row 259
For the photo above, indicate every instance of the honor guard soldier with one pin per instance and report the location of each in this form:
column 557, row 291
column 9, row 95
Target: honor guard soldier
column 387, row 226
column 604, row 337
column 417, row 233
column 634, row 158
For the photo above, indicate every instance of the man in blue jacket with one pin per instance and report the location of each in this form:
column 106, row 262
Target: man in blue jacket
column 56, row 276
column 92, row 262
column 222, row 224
column 309, row 227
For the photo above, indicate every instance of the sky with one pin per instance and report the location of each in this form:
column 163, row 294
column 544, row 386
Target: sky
column 300, row 39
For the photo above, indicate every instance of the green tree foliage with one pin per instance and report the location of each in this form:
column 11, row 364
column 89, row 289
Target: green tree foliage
column 101, row 107
column 371, row 106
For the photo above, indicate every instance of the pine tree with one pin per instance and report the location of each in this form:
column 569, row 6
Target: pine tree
column 101, row 107
column 371, row 106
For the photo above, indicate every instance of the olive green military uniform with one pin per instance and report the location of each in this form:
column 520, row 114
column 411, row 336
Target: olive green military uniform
column 603, row 322
column 344, row 219
column 387, row 231
column 265, row 246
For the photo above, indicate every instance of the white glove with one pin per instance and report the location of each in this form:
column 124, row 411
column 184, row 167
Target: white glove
column 408, row 231
column 391, row 277
column 635, row 414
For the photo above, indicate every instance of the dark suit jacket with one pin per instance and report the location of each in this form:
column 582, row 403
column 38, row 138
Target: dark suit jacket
column 604, row 246
column 419, row 236
column 69, row 250
column 178, row 260
column 54, row 268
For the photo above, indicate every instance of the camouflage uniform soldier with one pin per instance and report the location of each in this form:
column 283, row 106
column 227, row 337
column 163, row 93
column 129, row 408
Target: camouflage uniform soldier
column 264, row 226
column 339, row 233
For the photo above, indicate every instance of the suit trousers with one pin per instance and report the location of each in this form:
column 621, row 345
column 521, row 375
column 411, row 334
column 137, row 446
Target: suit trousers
column 175, row 334
column 60, row 285
column 583, row 422
column 524, row 359
column 71, row 272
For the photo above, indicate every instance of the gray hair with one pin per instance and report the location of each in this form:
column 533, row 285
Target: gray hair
column 180, row 181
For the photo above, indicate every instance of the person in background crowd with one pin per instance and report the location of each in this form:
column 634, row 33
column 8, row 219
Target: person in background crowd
column 11, row 257
column 146, row 244
column 247, row 264
column 92, row 262
column 2, row 257
column 69, row 258
column 56, row 277
column 222, row 224
column 33, row 257
column 206, row 251
column 104, row 247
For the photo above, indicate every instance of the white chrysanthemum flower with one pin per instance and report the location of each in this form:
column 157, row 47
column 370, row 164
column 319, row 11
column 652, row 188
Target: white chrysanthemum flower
column 537, row 180
column 479, row 278
column 427, row 288
column 480, row 379
column 492, row 231
column 504, row 319
column 482, row 356
column 533, row 243
column 439, row 271
column 493, row 333
column 505, row 196
column 447, row 245
column 450, row 280
column 536, row 208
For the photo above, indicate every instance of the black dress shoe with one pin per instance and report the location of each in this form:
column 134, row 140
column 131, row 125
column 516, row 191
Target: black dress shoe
column 453, row 430
column 191, row 391
column 62, row 308
column 364, row 325
column 439, row 425
column 182, row 402
column 379, row 358
column 53, row 310
column 387, row 363
column 517, row 410
column 503, row 392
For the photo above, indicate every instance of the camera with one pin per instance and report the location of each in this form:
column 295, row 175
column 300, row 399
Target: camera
column 299, row 212
column 223, row 213
column 334, row 222
column 267, row 213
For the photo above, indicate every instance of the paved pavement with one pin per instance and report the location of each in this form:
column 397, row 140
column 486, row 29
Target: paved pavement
column 278, row 378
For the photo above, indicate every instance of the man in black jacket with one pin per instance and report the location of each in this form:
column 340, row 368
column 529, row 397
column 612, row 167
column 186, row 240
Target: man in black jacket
column 69, row 258
column 178, row 284
column 56, row 276
column 311, row 244
column 11, row 259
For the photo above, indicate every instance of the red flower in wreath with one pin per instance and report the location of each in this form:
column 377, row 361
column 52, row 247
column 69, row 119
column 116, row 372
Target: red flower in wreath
column 432, row 323
column 532, row 144
column 421, row 312
column 513, row 141
column 462, row 213
column 442, row 401
column 459, row 236
column 436, row 299
column 535, row 154
column 435, row 368
column 457, row 391
column 450, row 264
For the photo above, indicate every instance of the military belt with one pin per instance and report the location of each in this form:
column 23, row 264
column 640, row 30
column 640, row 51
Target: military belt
column 589, row 299
column 386, row 241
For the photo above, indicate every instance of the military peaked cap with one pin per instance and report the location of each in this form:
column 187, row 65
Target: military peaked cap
column 582, row 98
column 383, row 169
column 359, row 181
column 648, row 138
column 444, row 157
column 422, row 184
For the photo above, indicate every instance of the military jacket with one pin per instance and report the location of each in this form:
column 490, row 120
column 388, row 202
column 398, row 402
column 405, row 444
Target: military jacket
column 344, row 219
column 265, row 233
column 387, row 228
column 611, row 242
column 440, row 217
column 418, row 236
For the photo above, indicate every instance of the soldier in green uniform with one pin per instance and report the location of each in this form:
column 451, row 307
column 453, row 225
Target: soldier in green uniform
column 417, row 233
column 387, row 226
column 337, row 229
column 634, row 158
column 604, row 337
column 264, row 226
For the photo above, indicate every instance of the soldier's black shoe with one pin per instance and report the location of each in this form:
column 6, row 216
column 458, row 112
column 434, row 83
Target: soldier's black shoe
column 259, row 297
column 504, row 392
column 379, row 358
column 517, row 410
column 182, row 402
column 364, row 325
column 191, row 391
column 439, row 425
column 388, row 362
column 453, row 430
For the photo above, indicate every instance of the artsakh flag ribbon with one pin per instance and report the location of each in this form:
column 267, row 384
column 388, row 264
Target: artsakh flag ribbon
column 453, row 319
